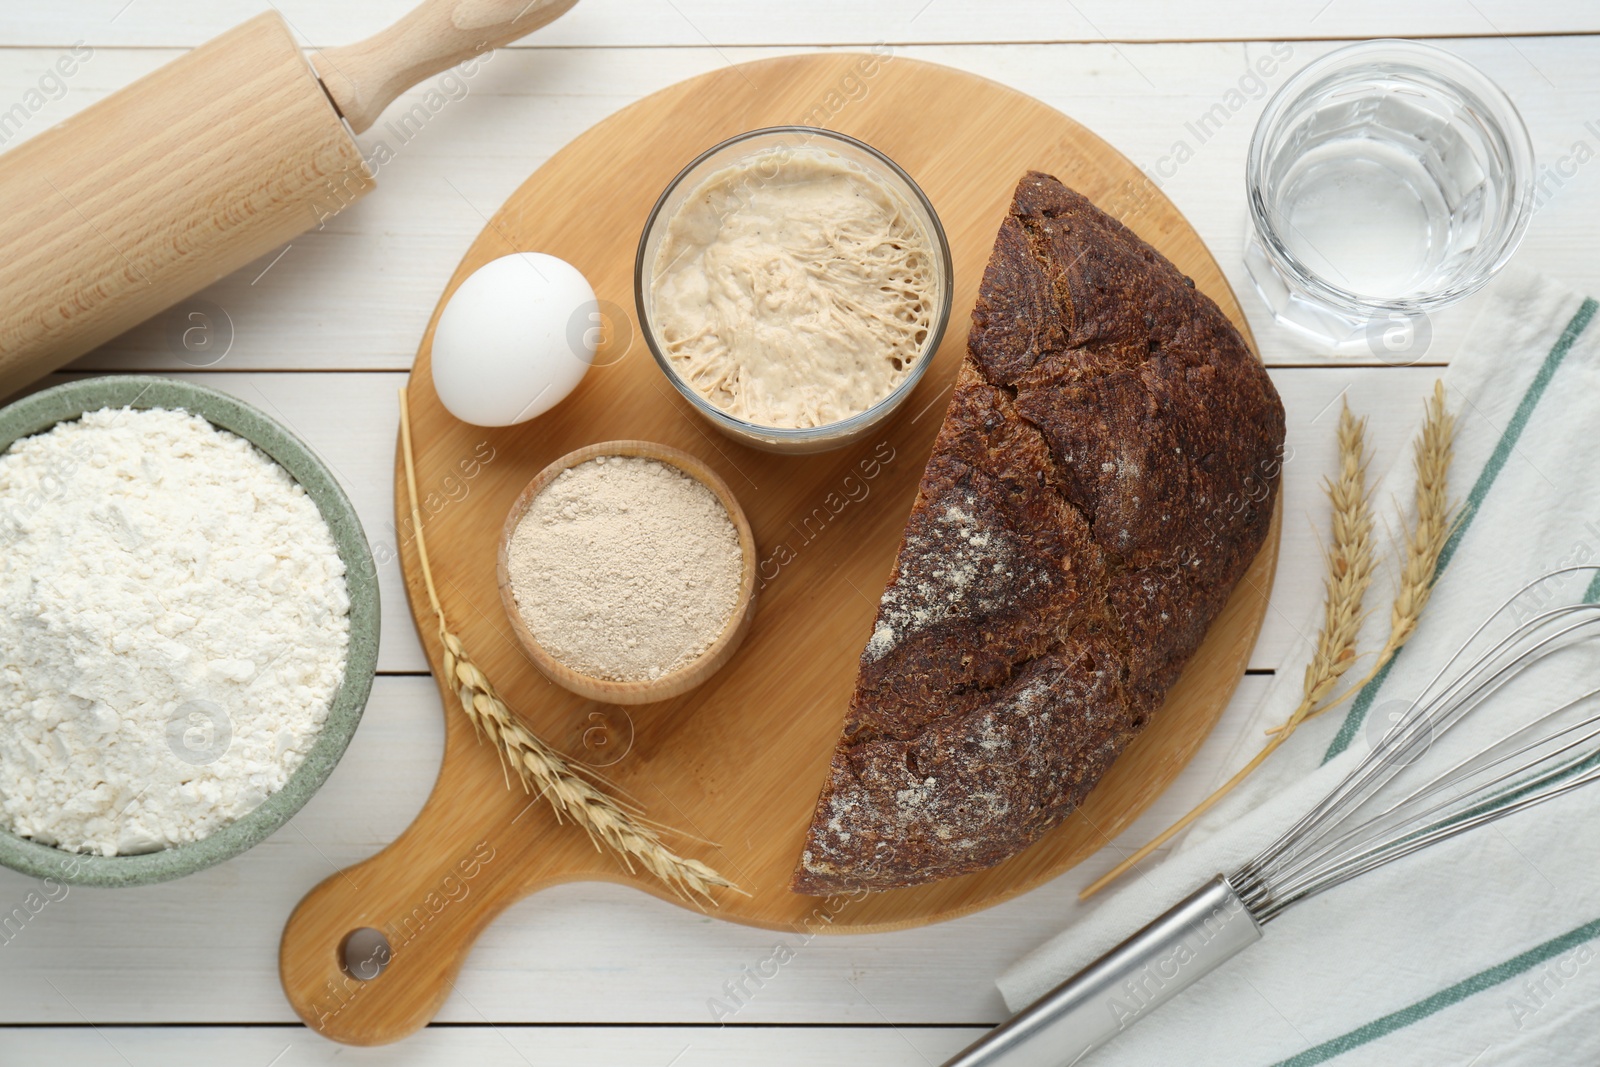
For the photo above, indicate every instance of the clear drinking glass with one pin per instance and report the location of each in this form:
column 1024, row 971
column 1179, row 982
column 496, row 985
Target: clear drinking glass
column 1385, row 180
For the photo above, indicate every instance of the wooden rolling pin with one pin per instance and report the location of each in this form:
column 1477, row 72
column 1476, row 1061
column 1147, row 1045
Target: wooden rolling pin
column 210, row 162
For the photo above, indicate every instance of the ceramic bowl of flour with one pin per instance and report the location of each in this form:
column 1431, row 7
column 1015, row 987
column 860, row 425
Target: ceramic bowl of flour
column 318, row 749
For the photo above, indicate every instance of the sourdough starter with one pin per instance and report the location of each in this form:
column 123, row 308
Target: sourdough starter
column 793, row 290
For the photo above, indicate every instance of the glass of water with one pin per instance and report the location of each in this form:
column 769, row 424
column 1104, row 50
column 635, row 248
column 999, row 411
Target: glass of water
column 1385, row 180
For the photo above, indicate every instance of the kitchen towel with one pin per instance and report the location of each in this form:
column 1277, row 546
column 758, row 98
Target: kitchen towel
column 1481, row 950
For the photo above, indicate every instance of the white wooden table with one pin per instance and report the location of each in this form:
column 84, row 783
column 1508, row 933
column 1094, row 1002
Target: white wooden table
column 589, row 974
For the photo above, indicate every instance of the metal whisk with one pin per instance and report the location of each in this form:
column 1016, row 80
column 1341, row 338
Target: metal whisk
column 1391, row 804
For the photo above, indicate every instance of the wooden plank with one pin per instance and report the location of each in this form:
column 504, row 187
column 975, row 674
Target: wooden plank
column 497, row 1046
column 204, row 949
column 730, row 22
column 357, row 294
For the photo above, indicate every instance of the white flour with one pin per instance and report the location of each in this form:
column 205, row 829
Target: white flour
column 174, row 622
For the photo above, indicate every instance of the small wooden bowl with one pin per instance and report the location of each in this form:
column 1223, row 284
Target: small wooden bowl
column 684, row 678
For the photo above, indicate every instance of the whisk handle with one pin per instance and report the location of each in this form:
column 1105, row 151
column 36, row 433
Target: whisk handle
column 1123, row 986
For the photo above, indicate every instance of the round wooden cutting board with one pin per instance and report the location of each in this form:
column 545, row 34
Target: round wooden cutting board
column 735, row 765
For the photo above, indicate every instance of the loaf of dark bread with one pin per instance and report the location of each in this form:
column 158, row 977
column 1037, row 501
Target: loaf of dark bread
column 1105, row 473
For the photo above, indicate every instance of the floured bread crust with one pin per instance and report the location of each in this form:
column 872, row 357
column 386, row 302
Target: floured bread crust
column 1105, row 473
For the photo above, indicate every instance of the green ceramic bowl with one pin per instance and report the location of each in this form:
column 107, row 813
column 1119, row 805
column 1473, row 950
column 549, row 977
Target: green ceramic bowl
column 40, row 411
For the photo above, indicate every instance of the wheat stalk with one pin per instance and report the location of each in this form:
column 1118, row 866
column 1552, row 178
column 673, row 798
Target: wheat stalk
column 1349, row 564
column 1431, row 456
column 1350, row 567
column 608, row 821
column 1434, row 450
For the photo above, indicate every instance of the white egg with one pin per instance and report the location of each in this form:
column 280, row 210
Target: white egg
column 514, row 339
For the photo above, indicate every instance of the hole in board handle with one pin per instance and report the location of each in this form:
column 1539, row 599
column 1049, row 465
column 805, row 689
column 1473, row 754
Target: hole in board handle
column 364, row 953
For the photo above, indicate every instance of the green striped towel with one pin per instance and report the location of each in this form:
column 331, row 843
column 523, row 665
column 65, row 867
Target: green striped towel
column 1482, row 950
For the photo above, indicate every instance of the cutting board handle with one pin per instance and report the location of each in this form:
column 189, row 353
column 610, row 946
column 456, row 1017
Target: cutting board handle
column 365, row 77
column 370, row 954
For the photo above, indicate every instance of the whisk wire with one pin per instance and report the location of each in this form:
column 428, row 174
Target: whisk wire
column 1281, row 897
column 1546, row 757
column 1386, row 820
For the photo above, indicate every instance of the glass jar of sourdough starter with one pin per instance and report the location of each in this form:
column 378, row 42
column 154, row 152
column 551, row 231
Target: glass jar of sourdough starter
column 767, row 156
column 1385, row 180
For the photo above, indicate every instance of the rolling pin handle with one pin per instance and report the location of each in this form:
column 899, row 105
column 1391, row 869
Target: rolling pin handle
column 364, row 78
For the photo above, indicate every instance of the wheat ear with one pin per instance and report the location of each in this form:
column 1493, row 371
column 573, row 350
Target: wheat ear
column 1432, row 453
column 1434, row 450
column 1349, row 563
column 1349, row 572
column 606, row 820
